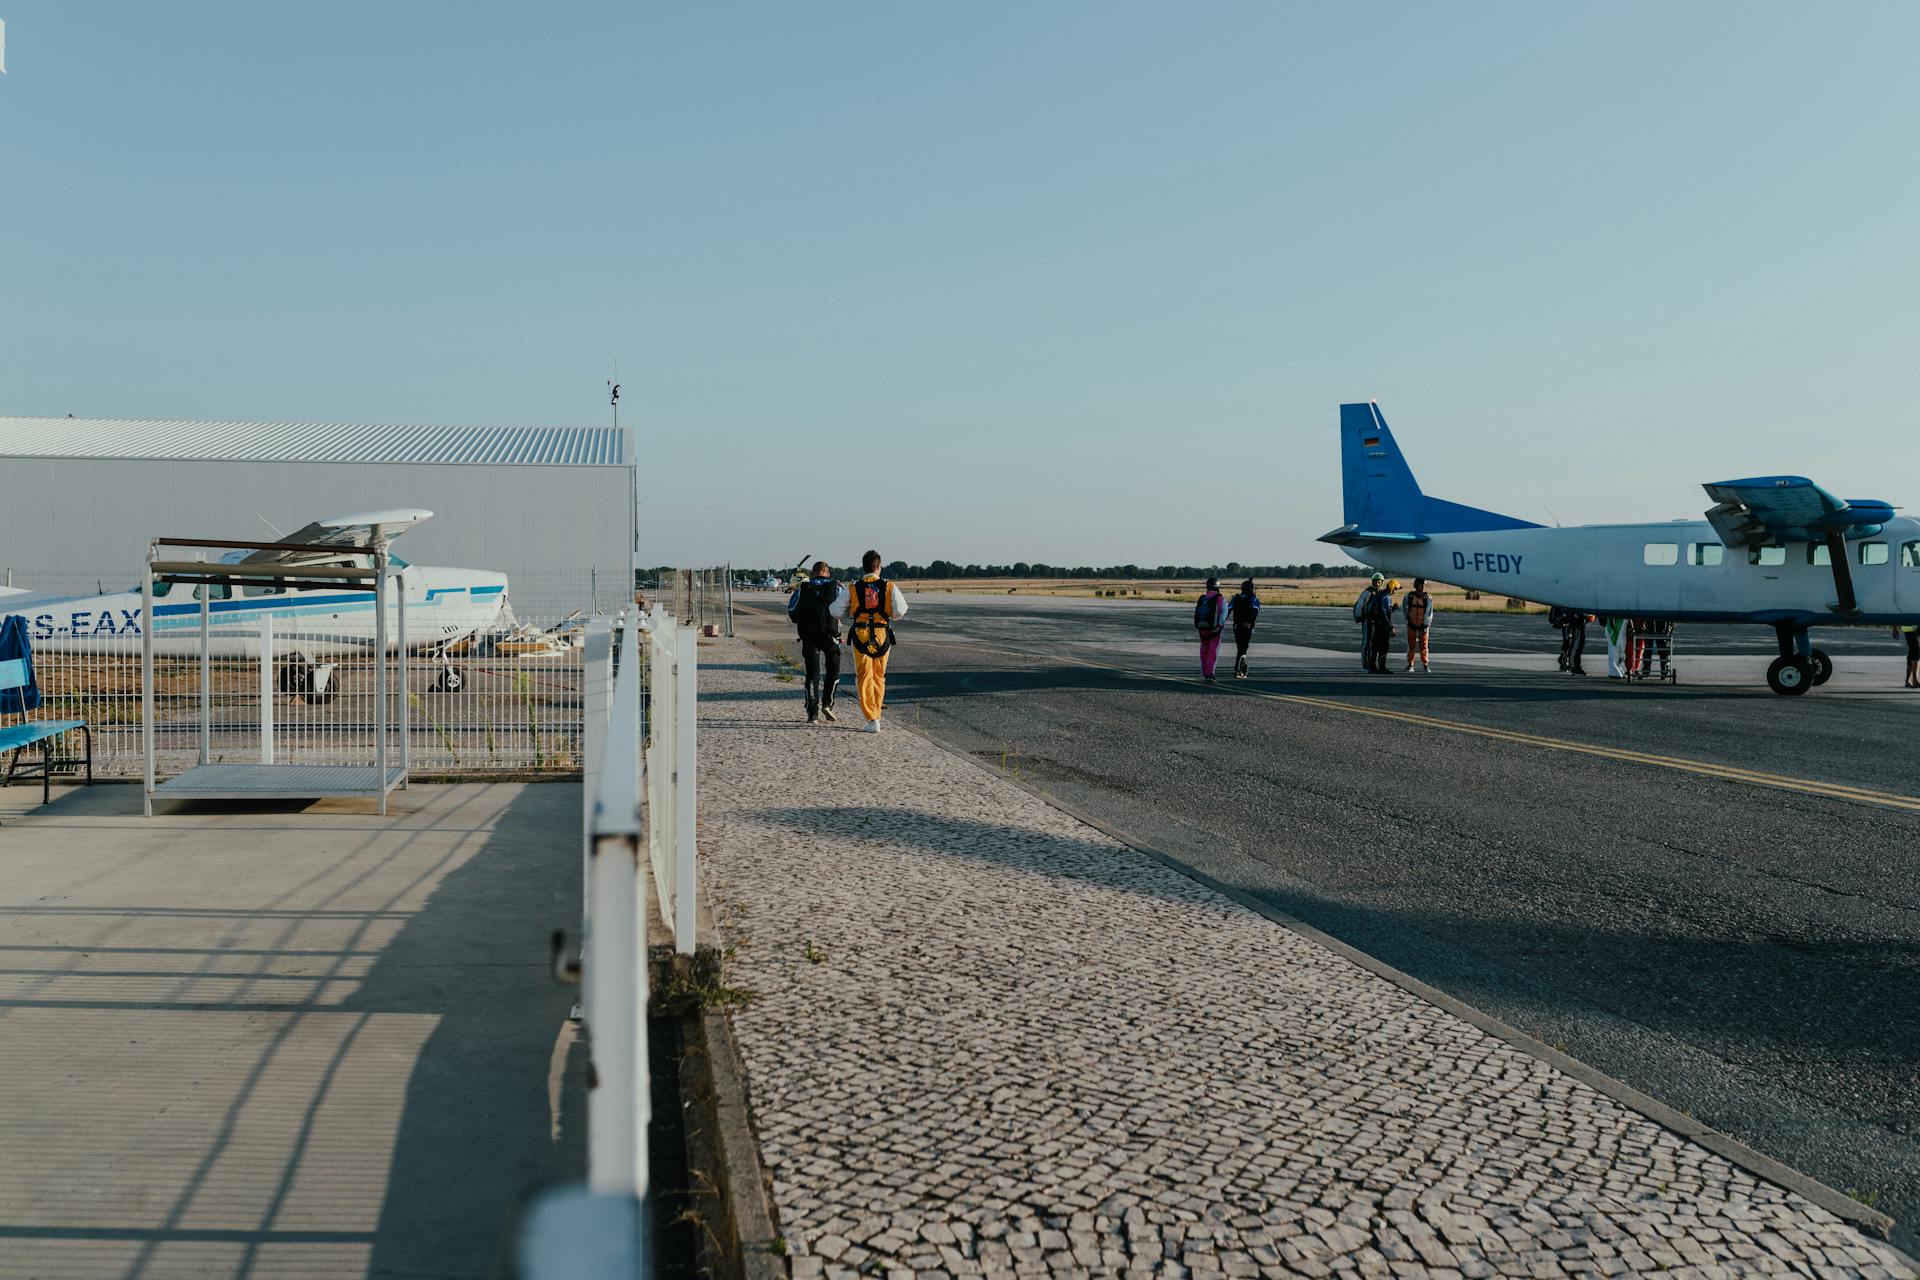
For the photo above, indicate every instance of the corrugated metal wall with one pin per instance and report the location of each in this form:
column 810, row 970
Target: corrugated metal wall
column 554, row 529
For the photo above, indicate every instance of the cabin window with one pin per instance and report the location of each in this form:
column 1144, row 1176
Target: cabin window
column 221, row 591
column 1817, row 553
column 1767, row 557
column 1873, row 553
column 1661, row 553
column 263, row 589
column 1910, row 555
column 160, row 590
column 1708, row 553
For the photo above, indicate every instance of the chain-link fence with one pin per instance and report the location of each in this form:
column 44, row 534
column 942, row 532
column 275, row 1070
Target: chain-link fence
column 505, row 701
column 698, row 597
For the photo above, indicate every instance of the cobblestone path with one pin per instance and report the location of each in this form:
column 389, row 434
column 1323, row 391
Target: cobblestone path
column 987, row 1039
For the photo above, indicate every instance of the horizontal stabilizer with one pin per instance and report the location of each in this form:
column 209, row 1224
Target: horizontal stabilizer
column 1348, row 536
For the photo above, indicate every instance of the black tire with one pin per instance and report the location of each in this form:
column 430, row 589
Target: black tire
column 1790, row 677
column 1822, row 667
column 452, row 680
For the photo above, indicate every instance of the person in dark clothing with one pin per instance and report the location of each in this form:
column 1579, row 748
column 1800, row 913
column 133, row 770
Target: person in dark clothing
column 1576, row 641
column 1363, row 613
column 815, row 618
column 1244, row 611
column 1380, row 628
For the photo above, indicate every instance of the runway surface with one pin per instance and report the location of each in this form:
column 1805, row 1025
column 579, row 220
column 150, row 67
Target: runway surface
column 1707, row 891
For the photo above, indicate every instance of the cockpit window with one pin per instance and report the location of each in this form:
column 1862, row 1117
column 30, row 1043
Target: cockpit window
column 1873, row 553
column 1910, row 555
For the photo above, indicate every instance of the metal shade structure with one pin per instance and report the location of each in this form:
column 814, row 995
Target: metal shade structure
column 268, row 779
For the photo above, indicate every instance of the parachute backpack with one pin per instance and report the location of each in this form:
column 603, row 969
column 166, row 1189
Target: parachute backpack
column 870, row 617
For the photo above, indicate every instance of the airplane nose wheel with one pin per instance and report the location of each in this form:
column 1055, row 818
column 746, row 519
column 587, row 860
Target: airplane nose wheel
column 451, row 681
column 1791, row 677
column 1822, row 667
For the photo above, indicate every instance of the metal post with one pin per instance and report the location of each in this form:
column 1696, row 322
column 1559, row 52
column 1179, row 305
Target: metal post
column 596, row 672
column 729, row 601
column 618, row 1102
column 686, row 798
column 146, row 677
column 400, row 653
column 380, row 665
column 266, row 688
column 206, row 670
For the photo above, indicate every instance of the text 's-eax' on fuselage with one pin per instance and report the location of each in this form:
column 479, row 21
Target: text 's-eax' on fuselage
column 1779, row 551
column 443, row 604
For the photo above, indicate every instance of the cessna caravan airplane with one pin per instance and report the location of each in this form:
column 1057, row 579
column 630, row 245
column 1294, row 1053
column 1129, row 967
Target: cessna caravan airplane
column 443, row 605
column 1775, row 550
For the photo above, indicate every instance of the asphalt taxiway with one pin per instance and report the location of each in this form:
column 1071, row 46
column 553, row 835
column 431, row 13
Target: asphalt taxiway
column 1706, row 891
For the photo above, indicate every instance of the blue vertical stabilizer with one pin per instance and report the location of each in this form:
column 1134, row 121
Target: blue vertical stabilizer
column 1383, row 500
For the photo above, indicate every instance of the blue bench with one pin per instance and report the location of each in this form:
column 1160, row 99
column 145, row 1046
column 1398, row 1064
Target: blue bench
column 17, row 738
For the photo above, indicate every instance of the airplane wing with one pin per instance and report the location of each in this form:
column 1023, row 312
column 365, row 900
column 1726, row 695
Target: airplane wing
column 1769, row 509
column 343, row 531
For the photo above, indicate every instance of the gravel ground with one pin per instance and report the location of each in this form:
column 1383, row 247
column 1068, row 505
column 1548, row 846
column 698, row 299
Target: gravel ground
column 986, row 1038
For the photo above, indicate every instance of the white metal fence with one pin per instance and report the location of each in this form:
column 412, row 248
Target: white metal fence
column 639, row 704
column 506, row 702
column 599, row 1231
column 699, row 597
column 673, row 753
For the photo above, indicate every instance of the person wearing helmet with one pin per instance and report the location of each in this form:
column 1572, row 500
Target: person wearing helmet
column 1244, row 609
column 1210, row 619
column 1363, row 614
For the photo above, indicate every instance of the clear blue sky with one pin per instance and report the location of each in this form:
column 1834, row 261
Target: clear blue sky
column 992, row 281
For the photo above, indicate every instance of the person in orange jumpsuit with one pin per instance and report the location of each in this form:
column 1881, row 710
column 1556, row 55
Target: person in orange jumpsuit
column 871, row 607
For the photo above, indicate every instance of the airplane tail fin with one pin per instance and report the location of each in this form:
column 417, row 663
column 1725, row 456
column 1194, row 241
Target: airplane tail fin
column 1383, row 500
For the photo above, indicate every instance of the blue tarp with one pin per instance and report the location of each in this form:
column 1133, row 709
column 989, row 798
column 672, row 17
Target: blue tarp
column 13, row 644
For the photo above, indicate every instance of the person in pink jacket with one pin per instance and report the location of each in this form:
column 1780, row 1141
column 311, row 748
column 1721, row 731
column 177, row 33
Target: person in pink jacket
column 1210, row 619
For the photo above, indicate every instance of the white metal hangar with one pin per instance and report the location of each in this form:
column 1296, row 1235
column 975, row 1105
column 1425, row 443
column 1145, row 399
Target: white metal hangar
column 552, row 507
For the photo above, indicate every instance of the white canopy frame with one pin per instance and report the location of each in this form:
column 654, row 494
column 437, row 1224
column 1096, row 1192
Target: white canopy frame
column 270, row 779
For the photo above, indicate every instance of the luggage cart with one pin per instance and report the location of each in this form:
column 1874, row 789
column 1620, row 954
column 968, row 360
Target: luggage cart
column 1650, row 641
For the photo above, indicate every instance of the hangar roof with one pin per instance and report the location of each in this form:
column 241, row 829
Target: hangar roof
column 308, row 442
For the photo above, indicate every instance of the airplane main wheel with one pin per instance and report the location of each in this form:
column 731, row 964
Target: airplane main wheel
column 1790, row 677
column 1822, row 667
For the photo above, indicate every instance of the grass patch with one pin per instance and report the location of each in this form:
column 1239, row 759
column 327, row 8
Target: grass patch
column 680, row 996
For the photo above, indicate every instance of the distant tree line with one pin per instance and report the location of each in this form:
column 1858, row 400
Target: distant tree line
column 940, row 570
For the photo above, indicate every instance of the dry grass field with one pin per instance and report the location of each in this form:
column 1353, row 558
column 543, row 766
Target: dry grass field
column 1273, row 591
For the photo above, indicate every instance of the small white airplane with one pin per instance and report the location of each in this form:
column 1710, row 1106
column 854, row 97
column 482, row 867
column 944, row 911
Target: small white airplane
column 443, row 606
column 1779, row 551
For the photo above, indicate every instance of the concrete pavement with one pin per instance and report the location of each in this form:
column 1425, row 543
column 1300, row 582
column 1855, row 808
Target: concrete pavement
column 989, row 1039
column 285, row 1040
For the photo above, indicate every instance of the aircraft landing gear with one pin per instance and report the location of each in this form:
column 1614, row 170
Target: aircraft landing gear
column 1791, row 676
column 451, row 680
column 1800, row 666
column 309, row 680
column 1822, row 666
